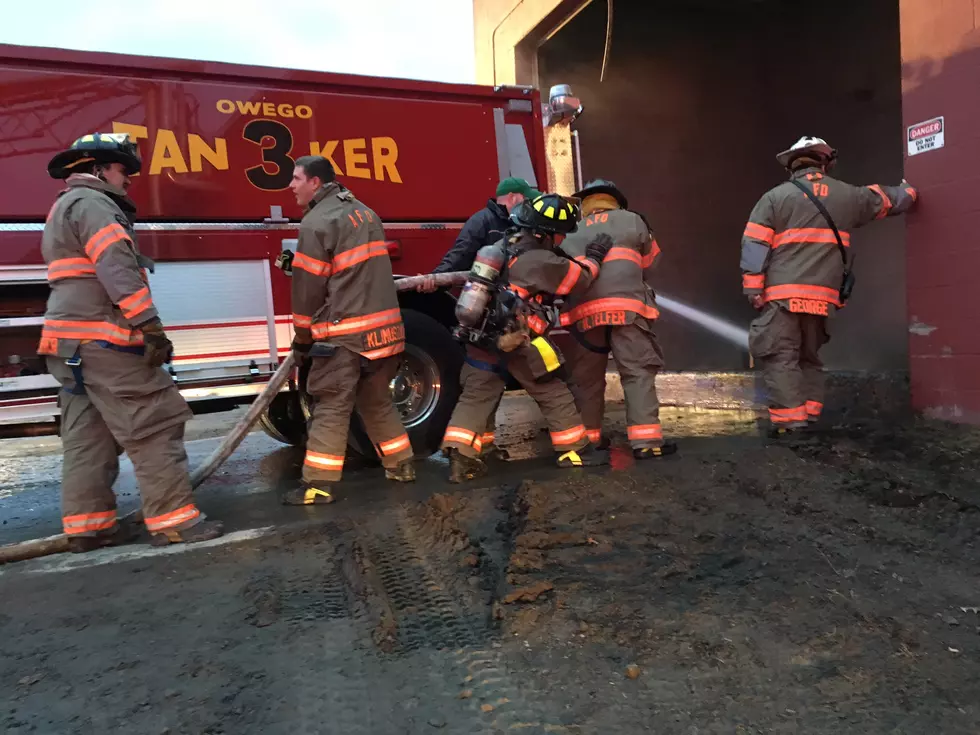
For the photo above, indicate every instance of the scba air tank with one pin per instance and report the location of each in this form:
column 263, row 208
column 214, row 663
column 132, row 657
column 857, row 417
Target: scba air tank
column 480, row 286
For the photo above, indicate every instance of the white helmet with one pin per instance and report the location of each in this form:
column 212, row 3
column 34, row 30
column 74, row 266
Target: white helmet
column 807, row 145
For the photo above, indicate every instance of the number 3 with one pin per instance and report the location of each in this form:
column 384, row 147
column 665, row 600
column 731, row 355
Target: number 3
column 277, row 155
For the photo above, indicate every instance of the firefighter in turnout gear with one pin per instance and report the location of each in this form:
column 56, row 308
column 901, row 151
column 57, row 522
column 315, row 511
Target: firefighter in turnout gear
column 795, row 271
column 616, row 315
column 532, row 275
column 105, row 344
column 348, row 323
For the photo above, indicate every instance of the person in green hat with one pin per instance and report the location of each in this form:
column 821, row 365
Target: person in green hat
column 484, row 228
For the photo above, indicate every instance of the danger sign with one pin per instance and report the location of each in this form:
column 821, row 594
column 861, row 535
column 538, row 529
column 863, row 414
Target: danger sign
column 927, row 136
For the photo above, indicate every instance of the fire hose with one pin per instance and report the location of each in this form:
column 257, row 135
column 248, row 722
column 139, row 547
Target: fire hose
column 59, row 543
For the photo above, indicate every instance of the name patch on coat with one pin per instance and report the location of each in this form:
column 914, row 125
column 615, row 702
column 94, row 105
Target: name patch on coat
column 808, row 306
column 384, row 336
column 603, row 319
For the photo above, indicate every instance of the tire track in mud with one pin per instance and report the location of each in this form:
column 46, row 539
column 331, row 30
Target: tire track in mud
column 495, row 699
column 390, row 614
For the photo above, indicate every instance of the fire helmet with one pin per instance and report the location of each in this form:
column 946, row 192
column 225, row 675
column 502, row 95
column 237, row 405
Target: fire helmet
column 810, row 147
column 549, row 213
column 603, row 186
column 99, row 148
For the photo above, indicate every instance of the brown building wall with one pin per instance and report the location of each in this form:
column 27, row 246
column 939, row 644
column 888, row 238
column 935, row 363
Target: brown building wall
column 940, row 73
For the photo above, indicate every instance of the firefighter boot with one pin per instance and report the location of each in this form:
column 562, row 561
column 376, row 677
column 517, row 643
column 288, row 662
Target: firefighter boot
column 126, row 531
column 203, row 531
column 404, row 472
column 794, row 430
column 495, row 453
column 307, row 494
column 587, row 457
column 663, row 450
column 462, row 468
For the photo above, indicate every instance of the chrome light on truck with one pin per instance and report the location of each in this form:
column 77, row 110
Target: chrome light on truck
column 562, row 105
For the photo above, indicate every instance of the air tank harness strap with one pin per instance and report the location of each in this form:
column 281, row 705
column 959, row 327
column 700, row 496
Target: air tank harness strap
column 482, row 365
column 598, row 349
column 75, row 365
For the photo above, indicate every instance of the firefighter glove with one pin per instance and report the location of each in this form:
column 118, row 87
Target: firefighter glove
column 158, row 349
column 600, row 245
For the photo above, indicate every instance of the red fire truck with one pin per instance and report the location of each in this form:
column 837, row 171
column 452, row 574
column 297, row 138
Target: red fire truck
column 218, row 143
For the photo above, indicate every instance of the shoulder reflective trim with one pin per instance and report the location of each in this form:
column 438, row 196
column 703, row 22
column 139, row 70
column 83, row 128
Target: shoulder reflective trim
column 758, row 232
column 102, row 239
column 810, row 235
column 802, row 291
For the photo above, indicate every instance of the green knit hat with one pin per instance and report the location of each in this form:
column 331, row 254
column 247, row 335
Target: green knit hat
column 514, row 185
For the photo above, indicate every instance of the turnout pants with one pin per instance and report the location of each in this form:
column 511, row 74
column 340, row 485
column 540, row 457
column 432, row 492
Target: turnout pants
column 787, row 346
column 638, row 358
column 340, row 384
column 122, row 404
column 483, row 384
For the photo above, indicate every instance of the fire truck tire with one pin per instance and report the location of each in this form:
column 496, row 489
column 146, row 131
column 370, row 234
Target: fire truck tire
column 424, row 391
column 426, row 388
column 283, row 420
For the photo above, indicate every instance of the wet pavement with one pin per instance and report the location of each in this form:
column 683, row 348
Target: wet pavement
column 821, row 585
column 244, row 491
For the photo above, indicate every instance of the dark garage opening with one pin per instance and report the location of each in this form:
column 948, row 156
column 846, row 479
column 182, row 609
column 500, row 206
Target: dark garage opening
column 698, row 98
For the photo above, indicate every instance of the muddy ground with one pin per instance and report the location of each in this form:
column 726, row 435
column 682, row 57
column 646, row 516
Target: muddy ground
column 826, row 586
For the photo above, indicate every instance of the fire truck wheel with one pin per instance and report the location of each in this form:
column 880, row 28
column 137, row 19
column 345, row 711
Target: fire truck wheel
column 426, row 388
column 283, row 420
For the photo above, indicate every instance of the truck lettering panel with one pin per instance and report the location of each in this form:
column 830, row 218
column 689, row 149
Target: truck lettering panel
column 219, row 151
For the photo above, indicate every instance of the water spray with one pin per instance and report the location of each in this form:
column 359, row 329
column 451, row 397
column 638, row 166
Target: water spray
column 736, row 335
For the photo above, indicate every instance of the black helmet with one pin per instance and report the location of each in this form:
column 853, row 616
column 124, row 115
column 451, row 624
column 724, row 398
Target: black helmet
column 550, row 213
column 100, row 148
column 603, row 186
